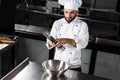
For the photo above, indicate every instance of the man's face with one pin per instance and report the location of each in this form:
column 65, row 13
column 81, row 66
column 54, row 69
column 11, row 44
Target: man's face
column 70, row 14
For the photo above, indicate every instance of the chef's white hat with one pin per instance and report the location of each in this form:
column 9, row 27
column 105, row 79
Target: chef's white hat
column 70, row 4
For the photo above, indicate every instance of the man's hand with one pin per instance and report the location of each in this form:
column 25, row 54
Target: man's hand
column 52, row 44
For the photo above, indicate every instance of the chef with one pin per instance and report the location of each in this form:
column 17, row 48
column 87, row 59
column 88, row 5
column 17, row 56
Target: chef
column 71, row 35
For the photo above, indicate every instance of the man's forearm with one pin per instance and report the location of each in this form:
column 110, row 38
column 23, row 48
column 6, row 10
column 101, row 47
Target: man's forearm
column 71, row 42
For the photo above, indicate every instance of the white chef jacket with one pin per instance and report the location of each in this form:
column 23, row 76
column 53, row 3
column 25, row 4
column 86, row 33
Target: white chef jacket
column 77, row 30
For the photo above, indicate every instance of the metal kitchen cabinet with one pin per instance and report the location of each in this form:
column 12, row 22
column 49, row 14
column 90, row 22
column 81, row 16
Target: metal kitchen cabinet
column 35, row 49
column 6, row 58
column 107, row 65
column 7, row 53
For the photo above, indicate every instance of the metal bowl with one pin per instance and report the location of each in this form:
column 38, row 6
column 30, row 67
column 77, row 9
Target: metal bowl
column 54, row 67
column 45, row 76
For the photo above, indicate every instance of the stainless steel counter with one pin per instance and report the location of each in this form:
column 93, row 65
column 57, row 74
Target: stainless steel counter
column 29, row 70
column 2, row 45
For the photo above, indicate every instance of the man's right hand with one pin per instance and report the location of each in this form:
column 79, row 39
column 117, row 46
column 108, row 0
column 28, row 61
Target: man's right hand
column 51, row 44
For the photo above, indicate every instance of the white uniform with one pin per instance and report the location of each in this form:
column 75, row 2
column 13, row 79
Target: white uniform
column 77, row 30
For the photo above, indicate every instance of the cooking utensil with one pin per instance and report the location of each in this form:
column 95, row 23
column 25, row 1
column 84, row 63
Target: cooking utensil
column 55, row 67
column 48, row 36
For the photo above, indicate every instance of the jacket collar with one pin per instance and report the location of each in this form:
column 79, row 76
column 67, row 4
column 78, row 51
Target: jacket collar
column 75, row 20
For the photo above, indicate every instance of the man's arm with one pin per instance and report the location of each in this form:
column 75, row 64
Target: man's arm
column 62, row 41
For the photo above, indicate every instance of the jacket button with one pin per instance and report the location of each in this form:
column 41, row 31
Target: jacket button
column 70, row 52
column 76, row 25
column 74, row 35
